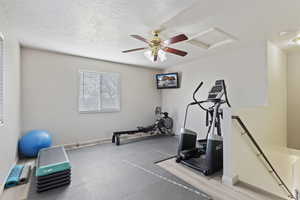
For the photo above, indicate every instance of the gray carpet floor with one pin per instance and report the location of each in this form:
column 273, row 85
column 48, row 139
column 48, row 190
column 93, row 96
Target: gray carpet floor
column 125, row 172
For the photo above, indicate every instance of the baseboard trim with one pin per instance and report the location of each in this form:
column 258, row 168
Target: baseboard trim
column 254, row 188
column 86, row 143
column 89, row 143
column 230, row 180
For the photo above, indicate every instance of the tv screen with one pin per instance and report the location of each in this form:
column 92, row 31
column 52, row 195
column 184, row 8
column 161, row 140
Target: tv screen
column 169, row 80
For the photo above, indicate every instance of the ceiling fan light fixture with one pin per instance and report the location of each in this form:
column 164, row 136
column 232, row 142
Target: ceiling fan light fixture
column 148, row 54
column 157, row 48
column 160, row 54
column 296, row 40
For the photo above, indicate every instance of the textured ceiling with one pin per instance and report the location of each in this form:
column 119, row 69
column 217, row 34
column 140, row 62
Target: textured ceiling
column 100, row 28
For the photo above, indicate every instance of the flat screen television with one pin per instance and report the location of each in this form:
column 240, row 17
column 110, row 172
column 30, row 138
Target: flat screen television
column 169, row 80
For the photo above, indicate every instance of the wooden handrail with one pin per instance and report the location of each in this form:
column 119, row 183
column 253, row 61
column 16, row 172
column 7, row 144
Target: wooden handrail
column 281, row 182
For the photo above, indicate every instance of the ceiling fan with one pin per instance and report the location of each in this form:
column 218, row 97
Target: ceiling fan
column 157, row 48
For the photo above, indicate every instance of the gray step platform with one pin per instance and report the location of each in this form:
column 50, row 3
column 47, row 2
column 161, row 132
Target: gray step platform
column 52, row 183
column 53, row 169
column 52, row 160
column 53, row 179
column 57, row 174
column 64, row 183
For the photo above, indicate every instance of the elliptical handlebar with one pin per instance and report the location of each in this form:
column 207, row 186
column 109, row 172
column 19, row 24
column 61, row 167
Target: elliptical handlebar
column 225, row 94
column 199, row 86
column 194, row 97
column 212, row 98
column 199, row 102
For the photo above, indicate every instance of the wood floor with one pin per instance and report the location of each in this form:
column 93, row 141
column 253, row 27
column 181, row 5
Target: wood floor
column 19, row 192
column 213, row 185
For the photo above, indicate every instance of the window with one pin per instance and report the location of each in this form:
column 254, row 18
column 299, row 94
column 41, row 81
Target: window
column 1, row 79
column 99, row 92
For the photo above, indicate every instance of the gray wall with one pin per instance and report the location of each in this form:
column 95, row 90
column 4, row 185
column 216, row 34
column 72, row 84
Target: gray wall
column 245, row 73
column 256, row 83
column 50, row 97
column 293, row 81
column 10, row 131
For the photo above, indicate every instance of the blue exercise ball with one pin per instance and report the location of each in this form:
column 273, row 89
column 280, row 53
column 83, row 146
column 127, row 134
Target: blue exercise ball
column 33, row 141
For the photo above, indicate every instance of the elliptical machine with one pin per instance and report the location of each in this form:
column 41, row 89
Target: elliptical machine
column 205, row 155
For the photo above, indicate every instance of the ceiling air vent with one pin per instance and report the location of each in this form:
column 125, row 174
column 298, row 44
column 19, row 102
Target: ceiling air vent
column 211, row 38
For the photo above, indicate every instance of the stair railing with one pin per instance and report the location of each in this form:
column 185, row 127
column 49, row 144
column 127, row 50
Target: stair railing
column 263, row 155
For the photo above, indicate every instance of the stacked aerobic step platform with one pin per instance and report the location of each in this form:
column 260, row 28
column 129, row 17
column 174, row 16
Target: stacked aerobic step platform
column 53, row 169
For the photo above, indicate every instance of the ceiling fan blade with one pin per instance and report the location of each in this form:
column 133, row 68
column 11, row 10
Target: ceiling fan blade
column 175, row 51
column 140, row 38
column 175, row 39
column 137, row 49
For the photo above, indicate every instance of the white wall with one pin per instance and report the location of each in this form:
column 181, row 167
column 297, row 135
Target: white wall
column 294, row 100
column 268, row 125
column 244, row 71
column 296, row 175
column 256, row 81
column 10, row 131
column 50, row 97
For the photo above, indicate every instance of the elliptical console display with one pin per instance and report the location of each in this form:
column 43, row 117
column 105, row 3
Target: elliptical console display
column 205, row 155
